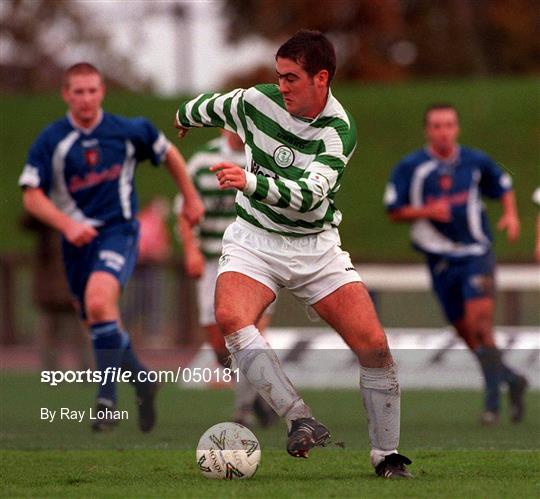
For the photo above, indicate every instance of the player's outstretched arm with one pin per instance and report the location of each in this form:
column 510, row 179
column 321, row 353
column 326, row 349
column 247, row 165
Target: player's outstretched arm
column 509, row 220
column 212, row 110
column 193, row 207
column 40, row 206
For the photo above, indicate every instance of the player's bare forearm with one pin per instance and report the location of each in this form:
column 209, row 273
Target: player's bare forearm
column 437, row 210
column 40, row 206
column 193, row 257
column 509, row 220
column 187, row 233
column 193, row 207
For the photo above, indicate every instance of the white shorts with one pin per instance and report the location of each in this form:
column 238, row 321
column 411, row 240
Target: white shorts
column 311, row 267
column 206, row 287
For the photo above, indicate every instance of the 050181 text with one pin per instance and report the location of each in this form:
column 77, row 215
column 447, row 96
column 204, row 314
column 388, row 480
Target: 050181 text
column 119, row 375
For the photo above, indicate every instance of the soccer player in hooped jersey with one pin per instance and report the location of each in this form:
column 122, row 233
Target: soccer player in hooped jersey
column 298, row 140
column 439, row 189
column 202, row 249
column 79, row 179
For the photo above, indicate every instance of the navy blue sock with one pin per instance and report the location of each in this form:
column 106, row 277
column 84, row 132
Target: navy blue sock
column 107, row 342
column 490, row 362
column 508, row 375
column 130, row 361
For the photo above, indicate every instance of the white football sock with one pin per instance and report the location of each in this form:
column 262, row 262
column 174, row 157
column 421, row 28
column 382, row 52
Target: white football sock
column 260, row 365
column 244, row 396
column 381, row 395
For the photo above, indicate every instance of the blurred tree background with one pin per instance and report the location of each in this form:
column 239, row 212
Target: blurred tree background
column 386, row 40
column 376, row 40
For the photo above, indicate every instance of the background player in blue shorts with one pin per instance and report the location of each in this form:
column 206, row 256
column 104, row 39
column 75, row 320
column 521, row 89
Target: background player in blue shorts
column 439, row 189
column 79, row 179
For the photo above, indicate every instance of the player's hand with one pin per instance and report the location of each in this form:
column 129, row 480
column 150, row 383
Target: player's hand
column 439, row 210
column 182, row 130
column 510, row 223
column 193, row 210
column 194, row 263
column 79, row 234
column 230, row 176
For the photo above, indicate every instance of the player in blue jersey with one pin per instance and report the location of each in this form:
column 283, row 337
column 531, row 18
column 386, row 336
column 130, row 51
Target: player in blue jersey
column 439, row 189
column 79, row 180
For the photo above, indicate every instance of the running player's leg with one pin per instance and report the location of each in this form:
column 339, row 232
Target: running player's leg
column 247, row 401
column 113, row 349
column 350, row 311
column 240, row 301
column 246, row 398
column 112, row 262
column 450, row 281
column 475, row 325
column 101, row 307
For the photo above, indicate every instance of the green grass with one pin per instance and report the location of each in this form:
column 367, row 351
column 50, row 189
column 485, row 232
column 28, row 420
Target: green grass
column 499, row 116
column 453, row 456
column 327, row 473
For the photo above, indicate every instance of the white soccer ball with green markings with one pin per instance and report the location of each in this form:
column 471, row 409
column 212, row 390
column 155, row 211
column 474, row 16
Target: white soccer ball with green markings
column 228, row 451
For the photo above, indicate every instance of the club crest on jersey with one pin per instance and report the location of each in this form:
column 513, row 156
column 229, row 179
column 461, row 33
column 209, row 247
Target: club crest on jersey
column 91, row 157
column 284, row 156
column 445, row 182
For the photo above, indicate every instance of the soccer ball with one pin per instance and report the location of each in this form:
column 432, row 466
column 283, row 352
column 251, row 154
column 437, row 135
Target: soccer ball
column 228, row 451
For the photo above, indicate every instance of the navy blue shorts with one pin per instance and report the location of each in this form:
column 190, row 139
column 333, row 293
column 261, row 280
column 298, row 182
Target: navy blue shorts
column 114, row 250
column 457, row 280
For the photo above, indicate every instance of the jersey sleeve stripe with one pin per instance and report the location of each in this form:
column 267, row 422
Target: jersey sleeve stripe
column 261, row 191
column 285, row 195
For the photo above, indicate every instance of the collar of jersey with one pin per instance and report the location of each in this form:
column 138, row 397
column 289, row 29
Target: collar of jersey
column 326, row 107
column 86, row 131
column 448, row 162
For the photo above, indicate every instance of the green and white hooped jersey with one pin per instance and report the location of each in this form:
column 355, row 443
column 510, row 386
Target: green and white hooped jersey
column 294, row 165
column 219, row 205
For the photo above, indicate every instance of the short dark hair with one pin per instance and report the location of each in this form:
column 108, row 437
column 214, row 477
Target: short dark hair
column 437, row 107
column 81, row 68
column 312, row 50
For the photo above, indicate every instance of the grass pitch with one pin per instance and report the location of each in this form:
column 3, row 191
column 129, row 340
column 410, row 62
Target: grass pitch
column 452, row 455
column 327, row 473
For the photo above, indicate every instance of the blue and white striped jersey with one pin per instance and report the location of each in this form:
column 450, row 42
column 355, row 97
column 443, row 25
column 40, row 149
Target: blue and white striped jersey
column 420, row 178
column 89, row 174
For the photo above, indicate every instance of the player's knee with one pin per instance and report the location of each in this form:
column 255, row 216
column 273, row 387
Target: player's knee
column 480, row 323
column 228, row 319
column 97, row 307
column 373, row 351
